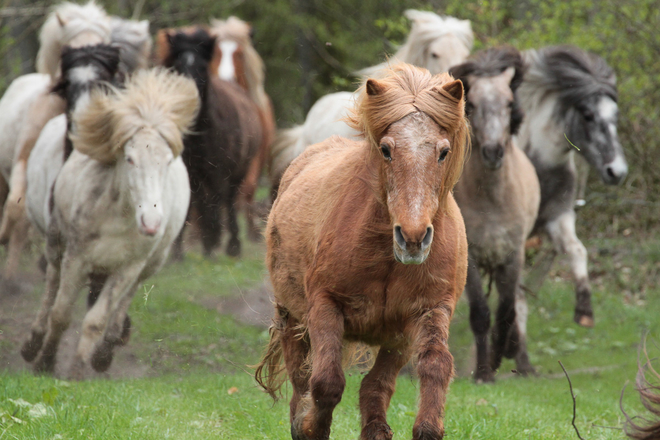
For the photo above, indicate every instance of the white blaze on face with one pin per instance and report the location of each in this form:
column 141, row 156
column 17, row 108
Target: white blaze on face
column 227, row 70
column 83, row 74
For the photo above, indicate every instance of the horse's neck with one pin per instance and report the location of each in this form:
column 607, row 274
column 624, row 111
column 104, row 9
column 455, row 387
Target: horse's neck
column 541, row 135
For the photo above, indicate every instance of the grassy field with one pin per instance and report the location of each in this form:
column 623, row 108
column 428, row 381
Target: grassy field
column 195, row 382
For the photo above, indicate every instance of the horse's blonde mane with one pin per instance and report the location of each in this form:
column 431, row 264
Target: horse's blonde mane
column 156, row 99
column 426, row 28
column 236, row 29
column 134, row 42
column 77, row 19
column 406, row 89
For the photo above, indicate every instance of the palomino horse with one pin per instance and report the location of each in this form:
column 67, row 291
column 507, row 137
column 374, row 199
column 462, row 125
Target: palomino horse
column 366, row 244
column 649, row 393
column 235, row 60
column 569, row 96
column 435, row 43
column 117, row 206
column 225, row 138
column 70, row 25
column 499, row 198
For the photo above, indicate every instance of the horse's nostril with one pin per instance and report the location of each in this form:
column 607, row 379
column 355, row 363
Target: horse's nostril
column 398, row 236
column 428, row 238
column 610, row 172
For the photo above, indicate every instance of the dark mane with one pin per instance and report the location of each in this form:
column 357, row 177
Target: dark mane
column 103, row 56
column 492, row 62
column 573, row 73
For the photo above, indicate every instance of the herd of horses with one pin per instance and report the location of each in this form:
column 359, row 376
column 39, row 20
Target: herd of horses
column 381, row 215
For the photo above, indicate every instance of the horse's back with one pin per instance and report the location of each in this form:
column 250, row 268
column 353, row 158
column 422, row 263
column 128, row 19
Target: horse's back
column 325, row 118
column 14, row 107
column 43, row 166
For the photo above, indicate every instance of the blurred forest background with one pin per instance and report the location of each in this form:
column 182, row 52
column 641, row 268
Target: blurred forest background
column 311, row 47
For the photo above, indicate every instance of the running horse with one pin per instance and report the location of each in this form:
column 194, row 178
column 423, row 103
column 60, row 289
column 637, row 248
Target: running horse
column 226, row 137
column 235, row 60
column 365, row 243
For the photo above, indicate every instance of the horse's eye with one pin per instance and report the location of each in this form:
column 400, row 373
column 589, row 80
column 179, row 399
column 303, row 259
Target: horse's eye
column 469, row 107
column 130, row 161
column 435, row 56
column 588, row 115
column 387, row 154
column 443, row 155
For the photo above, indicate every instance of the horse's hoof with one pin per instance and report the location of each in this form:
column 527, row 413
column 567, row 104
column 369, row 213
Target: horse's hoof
column 45, row 364
column 376, row 431
column 234, row 248
column 426, row 431
column 43, row 263
column 102, row 356
column 32, row 346
column 584, row 320
column 126, row 332
column 484, row 376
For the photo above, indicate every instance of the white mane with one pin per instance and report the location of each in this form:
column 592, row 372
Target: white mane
column 64, row 23
column 134, row 42
column 426, row 28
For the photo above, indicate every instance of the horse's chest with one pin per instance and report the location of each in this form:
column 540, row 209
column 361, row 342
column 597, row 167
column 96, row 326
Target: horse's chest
column 492, row 244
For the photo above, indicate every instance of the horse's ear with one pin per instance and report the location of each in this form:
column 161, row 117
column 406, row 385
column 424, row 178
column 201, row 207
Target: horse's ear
column 455, row 89
column 374, row 87
column 509, row 73
column 60, row 20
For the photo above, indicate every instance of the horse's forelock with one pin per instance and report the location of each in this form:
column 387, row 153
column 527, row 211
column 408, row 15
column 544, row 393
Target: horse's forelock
column 405, row 90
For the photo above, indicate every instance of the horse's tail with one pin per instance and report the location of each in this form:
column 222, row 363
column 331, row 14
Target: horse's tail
column 287, row 146
column 270, row 373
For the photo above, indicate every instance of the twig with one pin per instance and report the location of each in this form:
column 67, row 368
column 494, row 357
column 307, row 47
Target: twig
column 570, row 386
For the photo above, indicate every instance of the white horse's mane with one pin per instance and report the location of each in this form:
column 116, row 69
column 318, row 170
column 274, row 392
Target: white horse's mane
column 134, row 42
column 237, row 30
column 159, row 99
column 65, row 22
column 426, row 28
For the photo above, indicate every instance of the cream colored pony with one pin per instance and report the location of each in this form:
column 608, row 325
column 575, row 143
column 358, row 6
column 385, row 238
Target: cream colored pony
column 435, row 43
column 117, row 205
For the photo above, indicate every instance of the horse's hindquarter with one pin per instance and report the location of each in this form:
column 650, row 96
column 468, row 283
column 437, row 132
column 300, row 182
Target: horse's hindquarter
column 14, row 107
column 43, row 167
column 325, row 118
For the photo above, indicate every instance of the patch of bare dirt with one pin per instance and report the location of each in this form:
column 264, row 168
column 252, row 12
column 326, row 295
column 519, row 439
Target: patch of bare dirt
column 248, row 306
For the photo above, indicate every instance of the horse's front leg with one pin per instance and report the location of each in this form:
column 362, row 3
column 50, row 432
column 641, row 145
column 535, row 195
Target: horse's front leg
column 34, row 343
column 505, row 334
column 435, row 368
column 325, row 323
column 562, row 234
column 479, row 322
column 376, row 392
column 104, row 323
column 234, row 245
column 73, row 276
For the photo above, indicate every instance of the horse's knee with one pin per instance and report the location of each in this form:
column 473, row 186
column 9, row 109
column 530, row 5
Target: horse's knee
column 328, row 389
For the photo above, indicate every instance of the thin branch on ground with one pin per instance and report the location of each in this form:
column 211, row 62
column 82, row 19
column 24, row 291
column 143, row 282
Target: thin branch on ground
column 570, row 386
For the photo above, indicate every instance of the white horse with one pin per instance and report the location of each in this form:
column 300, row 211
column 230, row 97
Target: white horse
column 569, row 100
column 435, row 43
column 115, row 209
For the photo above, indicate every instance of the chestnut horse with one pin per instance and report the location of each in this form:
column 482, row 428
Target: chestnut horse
column 235, row 60
column 365, row 243
column 499, row 198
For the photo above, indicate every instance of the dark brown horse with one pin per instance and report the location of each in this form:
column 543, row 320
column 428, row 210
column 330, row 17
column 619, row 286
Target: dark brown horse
column 366, row 244
column 499, row 198
column 236, row 60
column 225, row 139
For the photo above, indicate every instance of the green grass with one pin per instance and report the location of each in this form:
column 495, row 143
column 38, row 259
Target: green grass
column 197, row 356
